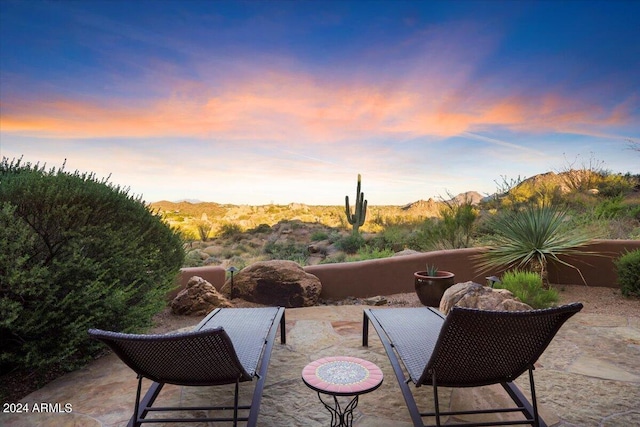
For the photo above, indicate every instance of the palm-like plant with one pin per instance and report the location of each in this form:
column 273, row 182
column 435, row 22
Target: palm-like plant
column 529, row 239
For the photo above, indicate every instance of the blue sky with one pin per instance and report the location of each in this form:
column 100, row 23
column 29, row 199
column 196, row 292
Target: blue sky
column 288, row 101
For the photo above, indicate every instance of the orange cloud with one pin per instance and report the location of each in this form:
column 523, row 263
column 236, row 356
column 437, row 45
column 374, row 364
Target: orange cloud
column 281, row 106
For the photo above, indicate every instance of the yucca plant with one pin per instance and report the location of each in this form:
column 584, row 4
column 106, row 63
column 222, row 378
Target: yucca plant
column 529, row 239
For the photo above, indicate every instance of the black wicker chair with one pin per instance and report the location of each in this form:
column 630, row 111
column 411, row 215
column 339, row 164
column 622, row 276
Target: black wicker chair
column 229, row 346
column 468, row 348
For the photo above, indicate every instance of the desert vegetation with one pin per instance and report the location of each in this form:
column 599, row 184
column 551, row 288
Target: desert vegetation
column 578, row 204
column 77, row 253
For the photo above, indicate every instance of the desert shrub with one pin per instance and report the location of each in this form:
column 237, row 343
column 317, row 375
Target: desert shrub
column 229, row 230
column 238, row 262
column 392, row 238
column 334, row 236
column 286, row 251
column 628, row 269
column 231, row 251
column 615, row 185
column 193, row 259
column 527, row 286
column 77, row 253
column 610, row 208
column 204, row 229
column 262, row 228
column 369, row 252
column 351, row 243
column 338, row 257
column 456, row 227
column 319, row 235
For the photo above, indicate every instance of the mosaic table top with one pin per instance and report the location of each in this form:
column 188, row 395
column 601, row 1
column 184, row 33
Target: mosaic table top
column 342, row 375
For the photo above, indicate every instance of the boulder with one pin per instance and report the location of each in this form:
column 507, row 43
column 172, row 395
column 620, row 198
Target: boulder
column 198, row 298
column 406, row 252
column 276, row 283
column 474, row 295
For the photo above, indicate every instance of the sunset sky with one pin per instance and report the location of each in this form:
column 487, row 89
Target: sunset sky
column 288, row 101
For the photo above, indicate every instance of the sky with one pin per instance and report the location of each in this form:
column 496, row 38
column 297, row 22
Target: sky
column 259, row 102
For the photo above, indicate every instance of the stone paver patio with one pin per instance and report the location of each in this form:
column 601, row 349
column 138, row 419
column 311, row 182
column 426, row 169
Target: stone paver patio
column 589, row 376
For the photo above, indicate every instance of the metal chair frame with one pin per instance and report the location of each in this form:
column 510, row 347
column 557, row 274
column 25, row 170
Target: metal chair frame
column 439, row 348
column 206, row 329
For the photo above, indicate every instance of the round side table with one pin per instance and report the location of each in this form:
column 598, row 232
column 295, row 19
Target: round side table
column 341, row 376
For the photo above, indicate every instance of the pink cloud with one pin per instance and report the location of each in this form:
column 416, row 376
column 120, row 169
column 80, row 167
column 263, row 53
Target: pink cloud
column 298, row 107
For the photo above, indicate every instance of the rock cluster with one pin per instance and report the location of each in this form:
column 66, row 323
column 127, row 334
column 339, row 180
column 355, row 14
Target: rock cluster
column 198, row 298
column 474, row 295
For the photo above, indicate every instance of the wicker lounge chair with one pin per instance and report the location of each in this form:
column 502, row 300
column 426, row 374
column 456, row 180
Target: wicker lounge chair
column 468, row 348
column 229, row 346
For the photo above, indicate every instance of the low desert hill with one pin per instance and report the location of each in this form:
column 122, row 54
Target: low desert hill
column 187, row 215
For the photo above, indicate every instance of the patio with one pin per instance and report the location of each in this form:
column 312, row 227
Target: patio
column 589, row 376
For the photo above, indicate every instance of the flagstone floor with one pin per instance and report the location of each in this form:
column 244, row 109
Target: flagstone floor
column 589, row 376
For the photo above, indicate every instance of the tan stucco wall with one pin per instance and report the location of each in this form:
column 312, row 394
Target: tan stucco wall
column 395, row 275
column 597, row 270
column 390, row 275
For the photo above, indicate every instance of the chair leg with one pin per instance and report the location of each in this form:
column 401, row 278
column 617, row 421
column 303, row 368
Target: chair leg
column 529, row 409
column 534, row 401
column 136, row 422
column 435, row 399
column 235, row 404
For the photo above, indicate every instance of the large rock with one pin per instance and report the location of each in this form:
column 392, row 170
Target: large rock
column 474, row 295
column 276, row 283
column 198, row 298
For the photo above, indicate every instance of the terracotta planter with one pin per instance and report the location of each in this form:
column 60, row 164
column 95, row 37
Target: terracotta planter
column 431, row 288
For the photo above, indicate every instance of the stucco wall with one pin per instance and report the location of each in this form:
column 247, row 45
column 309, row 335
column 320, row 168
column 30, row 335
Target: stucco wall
column 395, row 275
column 390, row 275
column 597, row 270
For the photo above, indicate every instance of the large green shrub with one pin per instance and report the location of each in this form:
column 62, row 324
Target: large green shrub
column 76, row 253
column 351, row 244
column 528, row 287
column 628, row 269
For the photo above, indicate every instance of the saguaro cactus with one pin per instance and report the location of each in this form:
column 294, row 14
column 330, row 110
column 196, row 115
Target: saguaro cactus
column 357, row 218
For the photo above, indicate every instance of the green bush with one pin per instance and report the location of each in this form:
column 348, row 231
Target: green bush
column 351, row 243
column 610, row 208
column 76, row 253
column 616, row 185
column 528, row 287
column 319, row 235
column 230, row 230
column 370, row 252
column 287, row 251
column 394, row 238
column 628, row 269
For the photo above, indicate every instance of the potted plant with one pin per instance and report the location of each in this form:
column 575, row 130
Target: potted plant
column 431, row 284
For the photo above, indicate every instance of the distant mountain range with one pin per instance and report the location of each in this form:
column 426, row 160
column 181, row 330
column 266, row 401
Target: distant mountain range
column 473, row 196
column 543, row 179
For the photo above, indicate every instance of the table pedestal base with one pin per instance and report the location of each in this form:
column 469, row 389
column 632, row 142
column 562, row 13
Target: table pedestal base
column 340, row 417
